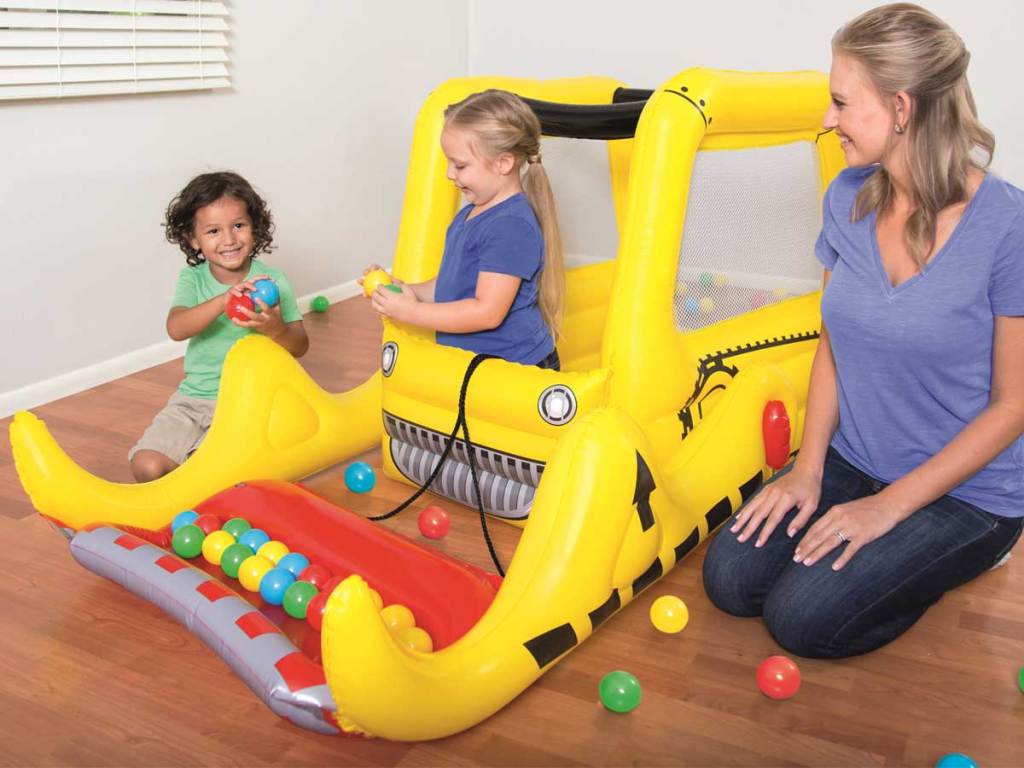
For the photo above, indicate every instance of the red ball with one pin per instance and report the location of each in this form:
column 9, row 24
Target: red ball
column 209, row 523
column 234, row 302
column 331, row 583
column 315, row 610
column 778, row 677
column 434, row 522
column 317, row 575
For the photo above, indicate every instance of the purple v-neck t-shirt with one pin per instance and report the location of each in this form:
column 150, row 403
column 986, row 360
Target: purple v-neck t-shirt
column 914, row 362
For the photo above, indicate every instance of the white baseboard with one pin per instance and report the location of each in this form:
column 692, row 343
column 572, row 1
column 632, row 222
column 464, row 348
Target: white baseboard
column 76, row 381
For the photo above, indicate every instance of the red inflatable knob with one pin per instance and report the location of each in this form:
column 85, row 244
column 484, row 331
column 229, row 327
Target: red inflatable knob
column 775, row 429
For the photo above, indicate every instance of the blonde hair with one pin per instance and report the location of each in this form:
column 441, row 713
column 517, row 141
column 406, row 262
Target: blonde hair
column 503, row 123
column 903, row 47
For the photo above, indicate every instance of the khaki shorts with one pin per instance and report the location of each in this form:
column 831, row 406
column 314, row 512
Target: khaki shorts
column 178, row 429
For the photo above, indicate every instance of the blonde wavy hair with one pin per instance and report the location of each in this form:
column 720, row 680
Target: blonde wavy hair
column 502, row 123
column 903, row 47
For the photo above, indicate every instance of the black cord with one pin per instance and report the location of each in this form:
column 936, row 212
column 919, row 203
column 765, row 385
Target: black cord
column 460, row 421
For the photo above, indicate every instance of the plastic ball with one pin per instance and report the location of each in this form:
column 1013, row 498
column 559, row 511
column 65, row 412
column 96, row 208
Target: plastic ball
column 320, row 304
column 778, row 677
column 183, row 518
column 273, row 550
column 359, row 477
column 373, row 279
column 297, row 597
column 266, row 290
column 681, row 287
column 956, row 760
column 691, row 305
column 706, row 305
column 393, row 288
column 215, row 544
column 236, row 526
column 315, row 610
column 188, row 540
column 293, row 562
column 254, row 538
column 375, row 596
column 1020, row 679
column 778, row 294
column 619, row 691
column 416, row 639
column 274, row 583
column 706, row 280
column 720, row 280
column 669, row 614
column 331, row 583
column 397, row 617
column 209, row 523
column 252, row 571
column 317, row 575
column 434, row 522
column 232, row 557
column 233, row 308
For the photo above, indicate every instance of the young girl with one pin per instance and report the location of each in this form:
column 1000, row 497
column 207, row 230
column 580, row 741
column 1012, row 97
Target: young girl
column 221, row 225
column 499, row 289
column 910, row 478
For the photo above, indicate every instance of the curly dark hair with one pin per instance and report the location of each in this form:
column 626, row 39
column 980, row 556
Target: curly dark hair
column 209, row 188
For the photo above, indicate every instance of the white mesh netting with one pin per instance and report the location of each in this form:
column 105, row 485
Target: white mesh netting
column 581, row 182
column 751, row 222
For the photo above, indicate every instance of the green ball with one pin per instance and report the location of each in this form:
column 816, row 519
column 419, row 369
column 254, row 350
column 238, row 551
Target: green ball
column 188, row 540
column 620, row 691
column 236, row 526
column 232, row 557
column 706, row 280
column 1020, row 680
column 297, row 597
column 320, row 304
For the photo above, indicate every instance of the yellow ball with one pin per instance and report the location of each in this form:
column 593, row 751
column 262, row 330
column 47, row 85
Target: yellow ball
column 397, row 617
column 373, row 279
column 778, row 294
column 273, row 551
column 681, row 288
column 377, row 599
column 720, row 280
column 669, row 614
column 416, row 639
column 707, row 304
column 214, row 545
column 252, row 571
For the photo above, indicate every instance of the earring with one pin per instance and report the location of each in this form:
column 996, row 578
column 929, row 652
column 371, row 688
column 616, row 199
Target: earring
column 898, row 128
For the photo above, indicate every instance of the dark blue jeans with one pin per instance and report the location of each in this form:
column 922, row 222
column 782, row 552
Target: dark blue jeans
column 887, row 586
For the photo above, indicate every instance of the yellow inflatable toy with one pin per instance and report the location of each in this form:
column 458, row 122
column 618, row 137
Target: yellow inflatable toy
column 685, row 367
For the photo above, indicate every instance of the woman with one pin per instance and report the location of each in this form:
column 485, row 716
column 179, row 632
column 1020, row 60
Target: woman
column 910, row 478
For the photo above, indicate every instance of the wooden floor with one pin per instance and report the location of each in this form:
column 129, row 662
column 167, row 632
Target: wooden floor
column 92, row 676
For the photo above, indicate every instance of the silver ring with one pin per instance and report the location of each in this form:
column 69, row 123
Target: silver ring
column 842, row 538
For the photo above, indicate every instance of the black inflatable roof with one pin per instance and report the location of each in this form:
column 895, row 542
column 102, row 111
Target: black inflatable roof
column 592, row 121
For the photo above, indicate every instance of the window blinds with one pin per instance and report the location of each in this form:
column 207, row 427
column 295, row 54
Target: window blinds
column 59, row 48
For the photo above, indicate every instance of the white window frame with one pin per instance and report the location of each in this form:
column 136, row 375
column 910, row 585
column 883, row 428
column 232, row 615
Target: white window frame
column 66, row 48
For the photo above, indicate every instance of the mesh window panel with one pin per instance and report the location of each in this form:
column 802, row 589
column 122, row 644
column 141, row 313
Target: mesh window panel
column 751, row 222
column 581, row 182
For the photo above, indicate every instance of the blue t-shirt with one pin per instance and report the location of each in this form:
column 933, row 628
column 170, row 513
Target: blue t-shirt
column 506, row 239
column 914, row 362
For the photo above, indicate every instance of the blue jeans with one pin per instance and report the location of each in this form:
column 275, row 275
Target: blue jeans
column 887, row 586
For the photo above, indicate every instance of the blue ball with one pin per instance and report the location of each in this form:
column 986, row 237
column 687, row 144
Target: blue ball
column 267, row 291
column 294, row 562
column 274, row 584
column 956, row 760
column 359, row 477
column 691, row 305
column 183, row 518
column 254, row 538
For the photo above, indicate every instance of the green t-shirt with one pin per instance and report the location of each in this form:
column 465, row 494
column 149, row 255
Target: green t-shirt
column 204, row 357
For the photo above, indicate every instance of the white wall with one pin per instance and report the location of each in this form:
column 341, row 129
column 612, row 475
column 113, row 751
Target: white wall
column 644, row 42
column 319, row 119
